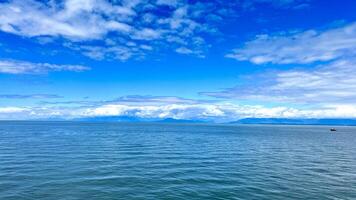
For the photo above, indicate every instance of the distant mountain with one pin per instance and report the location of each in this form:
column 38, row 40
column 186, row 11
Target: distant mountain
column 346, row 122
column 172, row 120
column 114, row 119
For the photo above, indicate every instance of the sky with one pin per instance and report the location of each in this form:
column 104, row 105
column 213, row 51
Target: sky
column 217, row 60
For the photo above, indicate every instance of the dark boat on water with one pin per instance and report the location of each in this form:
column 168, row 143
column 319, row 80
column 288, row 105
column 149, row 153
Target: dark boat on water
column 332, row 129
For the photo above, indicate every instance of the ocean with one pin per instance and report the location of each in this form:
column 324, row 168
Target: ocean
column 85, row 160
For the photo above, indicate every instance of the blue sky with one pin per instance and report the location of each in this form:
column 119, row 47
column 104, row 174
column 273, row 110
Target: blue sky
column 213, row 60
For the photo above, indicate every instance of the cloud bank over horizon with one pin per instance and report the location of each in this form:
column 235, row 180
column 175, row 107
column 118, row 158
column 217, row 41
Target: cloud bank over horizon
column 160, row 107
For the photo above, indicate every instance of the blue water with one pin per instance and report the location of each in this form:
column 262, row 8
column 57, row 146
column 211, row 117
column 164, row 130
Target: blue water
column 76, row 160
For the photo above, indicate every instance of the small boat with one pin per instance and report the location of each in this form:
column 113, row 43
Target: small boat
column 332, row 129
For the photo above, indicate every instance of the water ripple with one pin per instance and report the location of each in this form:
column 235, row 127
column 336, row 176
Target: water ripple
column 67, row 160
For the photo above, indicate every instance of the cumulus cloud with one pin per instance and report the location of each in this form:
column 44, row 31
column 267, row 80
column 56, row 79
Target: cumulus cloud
column 88, row 24
column 23, row 67
column 73, row 19
column 80, row 22
column 302, row 47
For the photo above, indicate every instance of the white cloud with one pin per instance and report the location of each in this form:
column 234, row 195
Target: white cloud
column 150, row 23
column 11, row 110
column 328, row 85
column 29, row 96
column 284, row 4
column 80, row 22
column 154, row 100
column 172, row 3
column 118, row 52
column 332, row 83
column 184, row 50
column 23, row 67
column 303, row 47
column 218, row 112
column 187, row 51
column 327, row 89
column 159, row 107
column 146, row 34
column 134, row 100
column 76, row 19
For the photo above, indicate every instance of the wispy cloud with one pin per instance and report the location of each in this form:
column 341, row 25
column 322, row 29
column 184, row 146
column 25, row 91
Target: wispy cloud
column 332, row 83
column 327, row 80
column 302, row 47
column 149, row 99
column 29, row 96
column 133, row 100
column 186, row 51
column 23, row 67
column 294, row 4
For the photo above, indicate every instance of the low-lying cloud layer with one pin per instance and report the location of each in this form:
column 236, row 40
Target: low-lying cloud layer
column 172, row 107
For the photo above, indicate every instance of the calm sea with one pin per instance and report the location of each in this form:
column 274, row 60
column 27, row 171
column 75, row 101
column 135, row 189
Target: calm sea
column 77, row 160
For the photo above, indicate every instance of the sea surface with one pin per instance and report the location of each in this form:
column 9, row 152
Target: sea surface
column 82, row 160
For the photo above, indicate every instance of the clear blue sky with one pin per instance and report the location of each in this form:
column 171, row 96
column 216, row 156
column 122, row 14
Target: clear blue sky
column 216, row 60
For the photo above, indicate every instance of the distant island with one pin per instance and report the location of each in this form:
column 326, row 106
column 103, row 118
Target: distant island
column 288, row 121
